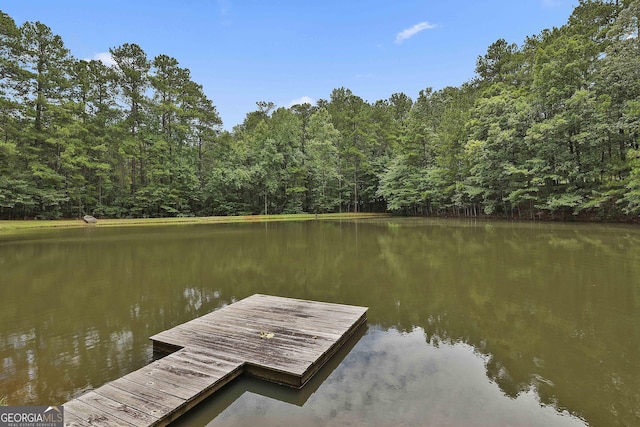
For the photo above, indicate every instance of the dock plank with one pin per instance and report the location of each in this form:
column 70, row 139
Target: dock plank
column 296, row 338
column 121, row 411
column 171, row 388
column 251, row 352
column 282, row 339
column 185, row 378
column 184, row 366
column 146, row 393
column 125, row 397
column 83, row 414
column 292, row 329
column 278, row 339
column 329, row 319
column 72, row 420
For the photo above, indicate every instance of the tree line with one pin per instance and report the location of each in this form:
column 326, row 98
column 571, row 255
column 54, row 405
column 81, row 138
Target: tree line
column 546, row 128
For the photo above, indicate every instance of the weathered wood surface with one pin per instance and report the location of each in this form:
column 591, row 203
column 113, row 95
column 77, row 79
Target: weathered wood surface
column 279, row 339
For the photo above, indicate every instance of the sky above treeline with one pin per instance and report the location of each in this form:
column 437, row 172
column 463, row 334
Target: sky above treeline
column 294, row 51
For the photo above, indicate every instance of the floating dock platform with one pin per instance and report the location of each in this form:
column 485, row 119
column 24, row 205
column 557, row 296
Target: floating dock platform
column 278, row 339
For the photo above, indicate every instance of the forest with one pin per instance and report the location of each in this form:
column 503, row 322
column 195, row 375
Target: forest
column 548, row 128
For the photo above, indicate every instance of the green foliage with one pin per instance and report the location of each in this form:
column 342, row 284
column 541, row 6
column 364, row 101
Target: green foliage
column 401, row 186
column 322, row 162
column 631, row 199
column 549, row 127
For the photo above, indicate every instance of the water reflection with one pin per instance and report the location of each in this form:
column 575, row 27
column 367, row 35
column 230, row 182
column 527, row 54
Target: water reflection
column 527, row 314
column 399, row 379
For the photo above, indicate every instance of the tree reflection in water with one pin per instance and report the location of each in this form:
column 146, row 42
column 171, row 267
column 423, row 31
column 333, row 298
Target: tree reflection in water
column 548, row 313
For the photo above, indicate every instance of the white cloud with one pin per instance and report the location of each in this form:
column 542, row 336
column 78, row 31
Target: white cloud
column 302, row 100
column 224, row 12
column 412, row 31
column 105, row 58
column 553, row 3
column 224, row 8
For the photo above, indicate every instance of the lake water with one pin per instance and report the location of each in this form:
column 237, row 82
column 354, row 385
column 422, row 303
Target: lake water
column 471, row 323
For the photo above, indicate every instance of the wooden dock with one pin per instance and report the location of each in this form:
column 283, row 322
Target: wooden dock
column 283, row 340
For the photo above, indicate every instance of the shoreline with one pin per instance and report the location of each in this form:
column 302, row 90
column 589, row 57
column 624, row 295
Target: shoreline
column 9, row 226
column 33, row 224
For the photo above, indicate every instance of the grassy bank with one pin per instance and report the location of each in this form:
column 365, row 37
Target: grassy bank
column 15, row 225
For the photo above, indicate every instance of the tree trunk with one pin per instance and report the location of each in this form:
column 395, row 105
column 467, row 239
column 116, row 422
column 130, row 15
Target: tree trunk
column 355, row 188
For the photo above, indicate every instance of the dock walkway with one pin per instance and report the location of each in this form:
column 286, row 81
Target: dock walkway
column 278, row 339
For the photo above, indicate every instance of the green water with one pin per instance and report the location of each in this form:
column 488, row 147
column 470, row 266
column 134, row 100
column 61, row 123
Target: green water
column 470, row 323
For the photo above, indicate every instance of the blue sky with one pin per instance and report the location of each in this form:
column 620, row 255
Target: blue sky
column 290, row 50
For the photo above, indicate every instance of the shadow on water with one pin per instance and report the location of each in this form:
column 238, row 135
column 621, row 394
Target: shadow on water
column 221, row 400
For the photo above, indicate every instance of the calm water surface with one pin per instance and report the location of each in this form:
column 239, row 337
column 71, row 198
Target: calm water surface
column 470, row 323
